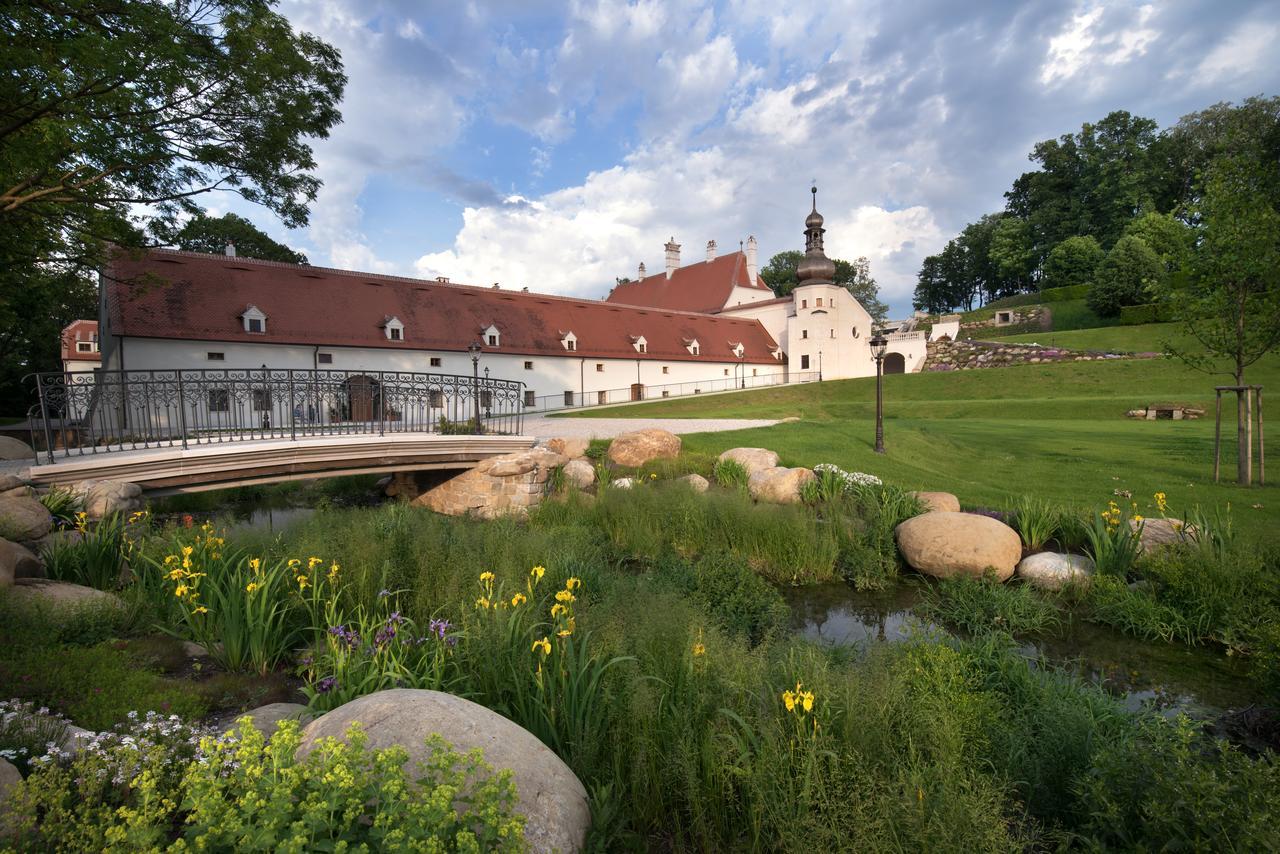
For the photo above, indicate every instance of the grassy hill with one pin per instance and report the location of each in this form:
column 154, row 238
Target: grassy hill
column 1058, row 431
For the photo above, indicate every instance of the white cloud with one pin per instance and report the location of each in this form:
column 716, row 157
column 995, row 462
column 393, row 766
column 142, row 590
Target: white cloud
column 1241, row 54
column 1085, row 44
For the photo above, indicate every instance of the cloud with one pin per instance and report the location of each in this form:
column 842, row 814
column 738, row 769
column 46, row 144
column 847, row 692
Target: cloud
column 707, row 120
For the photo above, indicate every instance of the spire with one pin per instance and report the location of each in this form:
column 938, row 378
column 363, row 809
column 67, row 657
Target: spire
column 815, row 268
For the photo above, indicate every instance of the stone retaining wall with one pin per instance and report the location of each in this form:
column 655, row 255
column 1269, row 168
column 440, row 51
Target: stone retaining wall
column 969, row 355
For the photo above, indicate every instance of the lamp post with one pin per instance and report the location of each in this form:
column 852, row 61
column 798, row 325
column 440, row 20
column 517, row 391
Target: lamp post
column 819, row 366
column 878, row 345
column 488, row 395
column 475, row 383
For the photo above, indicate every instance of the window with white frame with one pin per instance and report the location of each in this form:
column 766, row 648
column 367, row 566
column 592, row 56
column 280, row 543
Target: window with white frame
column 393, row 328
column 569, row 341
column 691, row 344
column 84, row 346
column 641, row 345
column 435, row 361
column 492, row 336
column 255, row 320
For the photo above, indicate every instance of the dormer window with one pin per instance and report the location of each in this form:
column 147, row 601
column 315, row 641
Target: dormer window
column 738, row 350
column 639, row 342
column 777, row 353
column 254, row 320
column 393, row 328
column 568, row 340
column 492, row 336
column 691, row 344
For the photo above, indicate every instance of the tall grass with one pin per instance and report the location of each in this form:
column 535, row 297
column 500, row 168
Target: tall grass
column 1036, row 520
column 980, row 605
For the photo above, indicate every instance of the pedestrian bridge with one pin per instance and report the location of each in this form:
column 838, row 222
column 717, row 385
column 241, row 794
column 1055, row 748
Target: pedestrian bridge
column 175, row 469
column 192, row 430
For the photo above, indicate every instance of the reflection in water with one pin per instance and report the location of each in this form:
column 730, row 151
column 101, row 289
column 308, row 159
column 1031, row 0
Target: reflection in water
column 1169, row 678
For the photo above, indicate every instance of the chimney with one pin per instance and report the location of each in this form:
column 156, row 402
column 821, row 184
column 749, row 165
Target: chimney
column 642, row 272
column 673, row 256
column 752, row 266
column 711, row 251
column 231, row 249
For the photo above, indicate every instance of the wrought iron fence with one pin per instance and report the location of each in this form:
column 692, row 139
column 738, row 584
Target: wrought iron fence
column 100, row 411
column 628, row 394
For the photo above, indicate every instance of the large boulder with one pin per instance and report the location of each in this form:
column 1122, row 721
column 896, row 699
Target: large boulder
column 579, row 473
column 15, row 449
column 1161, row 533
column 696, row 482
column 18, row 562
column 23, row 519
column 10, row 777
column 778, row 485
column 551, row 798
column 101, row 498
column 942, row 544
column 752, row 459
column 640, row 446
column 10, row 481
column 938, row 501
column 62, row 596
column 1053, row 571
column 568, row 446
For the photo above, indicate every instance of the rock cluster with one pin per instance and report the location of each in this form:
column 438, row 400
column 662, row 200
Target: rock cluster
column 752, row 459
column 102, row 498
column 938, row 501
column 23, row 519
column 499, row 486
column 552, row 799
column 1053, row 571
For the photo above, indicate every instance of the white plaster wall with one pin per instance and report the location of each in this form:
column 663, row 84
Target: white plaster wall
column 75, row 365
column 950, row 328
column 549, row 378
column 745, row 296
column 772, row 317
column 838, row 333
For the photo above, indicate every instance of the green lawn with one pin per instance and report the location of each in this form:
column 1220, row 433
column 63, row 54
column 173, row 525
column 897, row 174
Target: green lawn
column 1058, row 431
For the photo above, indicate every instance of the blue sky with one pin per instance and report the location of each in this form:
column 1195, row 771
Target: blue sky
column 557, row 145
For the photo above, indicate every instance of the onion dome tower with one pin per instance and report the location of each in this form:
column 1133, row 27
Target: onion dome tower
column 815, row 268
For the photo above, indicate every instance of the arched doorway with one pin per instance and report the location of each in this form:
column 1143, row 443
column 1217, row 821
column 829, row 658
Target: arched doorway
column 895, row 363
column 364, row 398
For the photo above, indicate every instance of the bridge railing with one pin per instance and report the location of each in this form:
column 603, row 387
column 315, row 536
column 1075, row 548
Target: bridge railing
column 93, row 412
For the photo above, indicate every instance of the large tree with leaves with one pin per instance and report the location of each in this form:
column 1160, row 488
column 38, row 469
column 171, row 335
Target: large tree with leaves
column 116, row 117
column 204, row 233
column 855, row 276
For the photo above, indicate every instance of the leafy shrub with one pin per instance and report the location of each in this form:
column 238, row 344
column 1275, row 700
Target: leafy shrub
column 598, row 450
column 1125, row 276
column 119, row 792
column 1164, row 787
column 461, row 427
column 739, row 600
column 730, row 474
column 981, row 605
column 1072, row 263
column 26, row 731
column 159, row 784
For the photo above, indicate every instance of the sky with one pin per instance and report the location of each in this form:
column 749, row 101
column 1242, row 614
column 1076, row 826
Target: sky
column 556, row 146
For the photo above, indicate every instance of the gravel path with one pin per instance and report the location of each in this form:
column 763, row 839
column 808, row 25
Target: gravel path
column 606, row 428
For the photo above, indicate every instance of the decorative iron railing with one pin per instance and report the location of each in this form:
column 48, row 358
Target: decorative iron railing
column 93, row 412
column 630, row 394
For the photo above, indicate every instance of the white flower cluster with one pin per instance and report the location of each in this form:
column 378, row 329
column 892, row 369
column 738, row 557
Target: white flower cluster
column 141, row 739
column 24, row 727
column 849, row 480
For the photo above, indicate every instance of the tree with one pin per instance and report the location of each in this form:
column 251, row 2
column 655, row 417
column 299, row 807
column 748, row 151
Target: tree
column 1231, row 305
column 31, row 322
column 1128, row 275
column 204, row 233
column 1013, row 253
column 1072, row 262
column 1167, row 237
column 114, row 117
column 932, row 293
column 780, row 275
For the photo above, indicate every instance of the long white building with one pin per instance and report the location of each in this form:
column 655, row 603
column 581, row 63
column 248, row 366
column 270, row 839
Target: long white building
column 706, row 326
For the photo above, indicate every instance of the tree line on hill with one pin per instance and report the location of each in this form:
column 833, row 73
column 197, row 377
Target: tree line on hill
column 1119, row 206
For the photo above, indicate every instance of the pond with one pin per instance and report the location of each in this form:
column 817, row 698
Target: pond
column 1163, row 677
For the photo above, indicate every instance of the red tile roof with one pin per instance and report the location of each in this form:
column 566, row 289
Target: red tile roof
column 80, row 330
column 702, row 287
column 189, row 295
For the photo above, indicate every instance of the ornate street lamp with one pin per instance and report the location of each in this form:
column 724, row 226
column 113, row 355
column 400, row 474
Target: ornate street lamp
column 475, row 383
column 878, row 345
column 819, row 366
column 488, row 395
